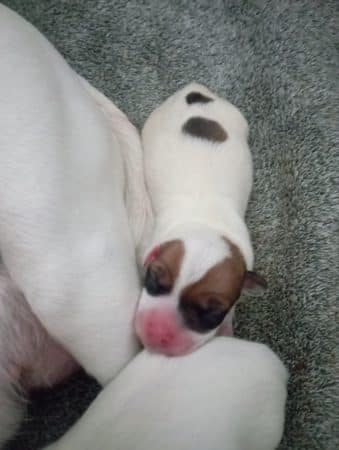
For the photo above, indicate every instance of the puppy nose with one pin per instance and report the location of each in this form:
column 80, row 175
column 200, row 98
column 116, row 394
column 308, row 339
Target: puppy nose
column 159, row 330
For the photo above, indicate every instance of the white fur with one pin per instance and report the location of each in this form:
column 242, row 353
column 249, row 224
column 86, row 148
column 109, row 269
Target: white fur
column 138, row 204
column 195, row 260
column 73, row 210
column 229, row 394
column 64, row 227
column 193, row 181
column 199, row 190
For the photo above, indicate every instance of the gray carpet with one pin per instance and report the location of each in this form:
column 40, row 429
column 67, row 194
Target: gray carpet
column 277, row 61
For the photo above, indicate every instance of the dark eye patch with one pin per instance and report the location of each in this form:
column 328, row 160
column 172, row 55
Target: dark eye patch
column 154, row 285
column 203, row 128
column 201, row 318
column 197, row 97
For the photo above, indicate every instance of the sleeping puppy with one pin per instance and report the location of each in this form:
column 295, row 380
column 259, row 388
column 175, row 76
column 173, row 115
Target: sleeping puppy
column 229, row 394
column 73, row 211
column 198, row 171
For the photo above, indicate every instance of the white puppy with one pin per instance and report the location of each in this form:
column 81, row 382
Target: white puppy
column 73, row 208
column 199, row 174
column 229, row 394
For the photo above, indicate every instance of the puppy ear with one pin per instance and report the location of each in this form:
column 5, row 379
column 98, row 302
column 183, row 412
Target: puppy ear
column 254, row 284
column 151, row 256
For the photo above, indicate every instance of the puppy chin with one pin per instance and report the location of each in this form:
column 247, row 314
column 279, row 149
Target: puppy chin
column 171, row 351
column 161, row 330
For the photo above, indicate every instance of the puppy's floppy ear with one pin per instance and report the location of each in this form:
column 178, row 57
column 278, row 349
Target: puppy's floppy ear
column 254, row 284
column 152, row 255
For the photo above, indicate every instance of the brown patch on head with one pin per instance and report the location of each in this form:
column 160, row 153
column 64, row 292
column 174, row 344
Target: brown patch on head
column 203, row 128
column 205, row 303
column 164, row 269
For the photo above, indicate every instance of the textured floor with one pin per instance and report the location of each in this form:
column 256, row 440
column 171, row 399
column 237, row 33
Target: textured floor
column 278, row 61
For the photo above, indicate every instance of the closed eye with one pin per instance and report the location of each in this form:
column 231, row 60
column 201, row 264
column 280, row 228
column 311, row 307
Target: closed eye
column 202, row 317
column 153, row 283
column 210, row 317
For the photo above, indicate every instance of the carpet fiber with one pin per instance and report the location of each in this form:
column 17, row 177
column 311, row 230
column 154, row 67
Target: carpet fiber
column 278, row 62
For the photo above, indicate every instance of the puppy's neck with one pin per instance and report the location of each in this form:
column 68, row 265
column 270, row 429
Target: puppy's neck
column 182, row 214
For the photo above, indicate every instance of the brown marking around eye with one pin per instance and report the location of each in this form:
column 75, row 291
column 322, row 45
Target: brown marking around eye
column 216, row 291
column 168, row 262
column 203, row 128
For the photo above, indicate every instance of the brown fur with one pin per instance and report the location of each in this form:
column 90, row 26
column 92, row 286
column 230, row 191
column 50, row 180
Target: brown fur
column 214, row 294
column 197, row 97
column 218, row 290
column 205, row 129
column 168, row 262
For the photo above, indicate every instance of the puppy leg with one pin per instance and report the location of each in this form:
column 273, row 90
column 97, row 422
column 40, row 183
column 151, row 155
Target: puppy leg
column 228, row 394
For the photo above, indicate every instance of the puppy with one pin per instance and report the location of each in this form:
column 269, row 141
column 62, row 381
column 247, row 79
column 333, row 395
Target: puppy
column 229, row 394
column 199, row 174
column 73, row 210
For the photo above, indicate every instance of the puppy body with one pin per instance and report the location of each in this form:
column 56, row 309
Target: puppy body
column 228, row 394
column 199, row 173
column 195, row 181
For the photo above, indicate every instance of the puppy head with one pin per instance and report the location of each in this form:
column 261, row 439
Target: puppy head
column 190, row 285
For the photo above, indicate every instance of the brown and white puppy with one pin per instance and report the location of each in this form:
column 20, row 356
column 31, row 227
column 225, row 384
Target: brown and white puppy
column 199, row 174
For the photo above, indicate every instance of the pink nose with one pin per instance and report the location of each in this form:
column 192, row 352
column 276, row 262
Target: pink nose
column 159, row 330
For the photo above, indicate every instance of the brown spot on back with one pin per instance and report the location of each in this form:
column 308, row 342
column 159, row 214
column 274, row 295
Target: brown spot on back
column 164, row 270
column 203, row 128
column 197, row 97
column 205, row 303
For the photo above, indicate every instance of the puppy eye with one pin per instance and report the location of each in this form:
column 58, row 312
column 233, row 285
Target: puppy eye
column 153, row 283
column 210, row 317
column 203, row 318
